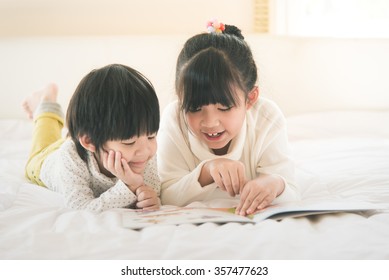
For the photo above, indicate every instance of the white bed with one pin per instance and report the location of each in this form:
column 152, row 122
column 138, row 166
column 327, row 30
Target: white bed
column 350, row 161
column 340, row 151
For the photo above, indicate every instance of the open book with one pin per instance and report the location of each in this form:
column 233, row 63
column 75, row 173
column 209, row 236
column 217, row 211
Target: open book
column 171, row 215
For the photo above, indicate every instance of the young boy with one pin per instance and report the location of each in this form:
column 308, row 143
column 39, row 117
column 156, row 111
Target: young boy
column 108, row 159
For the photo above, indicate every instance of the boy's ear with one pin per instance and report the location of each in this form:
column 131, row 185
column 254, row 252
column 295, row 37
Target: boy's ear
column 86, row 142
column 252, row 97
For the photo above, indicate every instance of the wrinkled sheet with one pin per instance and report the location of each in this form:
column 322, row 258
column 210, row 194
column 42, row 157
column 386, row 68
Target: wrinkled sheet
column 337, row 154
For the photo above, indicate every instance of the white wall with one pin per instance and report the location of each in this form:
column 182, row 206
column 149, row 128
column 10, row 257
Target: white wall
column 62, row 40
column 119, row 17
column 300, row 74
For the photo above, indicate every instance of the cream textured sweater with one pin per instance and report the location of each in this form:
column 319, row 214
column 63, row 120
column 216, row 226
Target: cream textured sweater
column 262, row 146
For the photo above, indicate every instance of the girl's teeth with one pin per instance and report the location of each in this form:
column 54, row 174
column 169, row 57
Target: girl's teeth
column 213, row 134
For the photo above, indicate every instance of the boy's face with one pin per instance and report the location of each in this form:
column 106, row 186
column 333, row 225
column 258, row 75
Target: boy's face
column 137, row 151
column 216, row 125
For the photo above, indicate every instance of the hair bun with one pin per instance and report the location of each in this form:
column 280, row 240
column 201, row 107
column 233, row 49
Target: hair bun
column 233, row 30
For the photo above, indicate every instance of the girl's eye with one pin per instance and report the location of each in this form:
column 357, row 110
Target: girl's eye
column 151, row 137
column 225, row 109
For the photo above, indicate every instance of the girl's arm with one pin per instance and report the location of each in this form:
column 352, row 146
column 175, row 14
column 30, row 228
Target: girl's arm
column 227, row 174
column 178, row 168
column 276, row 160
column 274, row 167
column 179, row 176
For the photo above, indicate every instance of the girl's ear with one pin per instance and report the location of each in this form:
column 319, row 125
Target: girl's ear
column 252, row 97
column 86, row 142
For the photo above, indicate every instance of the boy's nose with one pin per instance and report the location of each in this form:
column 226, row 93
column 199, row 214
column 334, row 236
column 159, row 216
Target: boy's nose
column 144, row 147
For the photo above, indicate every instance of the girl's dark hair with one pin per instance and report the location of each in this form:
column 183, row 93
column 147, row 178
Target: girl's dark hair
column 209, row 67
column 114, row 102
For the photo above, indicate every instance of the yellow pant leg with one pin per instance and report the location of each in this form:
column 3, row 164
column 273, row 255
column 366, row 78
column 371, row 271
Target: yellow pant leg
column 46, row 138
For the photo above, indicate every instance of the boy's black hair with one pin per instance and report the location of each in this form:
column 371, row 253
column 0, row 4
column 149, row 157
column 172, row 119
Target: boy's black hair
column 210, row 66
column 115, row 102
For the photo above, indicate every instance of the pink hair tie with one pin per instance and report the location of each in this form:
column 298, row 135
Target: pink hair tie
column 214, row 26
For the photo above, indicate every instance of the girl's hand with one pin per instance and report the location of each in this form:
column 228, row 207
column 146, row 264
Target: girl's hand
column 118, row 166
column 229, row 175
column 259, row 193
column 147, row 198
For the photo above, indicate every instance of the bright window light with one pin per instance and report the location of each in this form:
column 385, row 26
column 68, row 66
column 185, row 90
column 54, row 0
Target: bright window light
column 330, row 18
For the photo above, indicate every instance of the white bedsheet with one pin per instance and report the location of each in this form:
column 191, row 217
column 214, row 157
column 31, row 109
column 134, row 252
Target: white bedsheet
column 338, row 154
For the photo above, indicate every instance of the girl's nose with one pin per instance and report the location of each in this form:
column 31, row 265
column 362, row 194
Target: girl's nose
column 209, row 119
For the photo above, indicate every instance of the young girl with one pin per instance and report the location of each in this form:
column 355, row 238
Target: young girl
column 218, row 140
column 108, row 160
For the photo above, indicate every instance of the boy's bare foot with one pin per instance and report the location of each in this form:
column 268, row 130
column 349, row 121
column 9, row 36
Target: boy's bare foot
column 48, row 93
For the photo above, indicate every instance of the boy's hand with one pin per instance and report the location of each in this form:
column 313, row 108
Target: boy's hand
column 147, row 198
column 259, row 193
column 118, row 166
column 229, row 175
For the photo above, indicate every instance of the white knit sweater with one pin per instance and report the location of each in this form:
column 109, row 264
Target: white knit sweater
column 262, row 146
column 84, row 186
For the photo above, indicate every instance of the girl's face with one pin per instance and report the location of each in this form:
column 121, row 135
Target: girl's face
column 137, row 151
column 216, row 125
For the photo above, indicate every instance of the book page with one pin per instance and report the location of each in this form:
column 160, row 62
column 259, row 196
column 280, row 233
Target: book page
column 169, row 215
column 312, row 207
column 172, row 215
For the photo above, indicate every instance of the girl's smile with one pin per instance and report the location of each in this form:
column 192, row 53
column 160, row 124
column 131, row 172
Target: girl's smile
column 217, row 125
column 214, row 137
column 213, row 134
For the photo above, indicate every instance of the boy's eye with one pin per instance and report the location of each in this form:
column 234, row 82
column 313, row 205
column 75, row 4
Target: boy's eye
column 193, row 110
column 129, row 143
